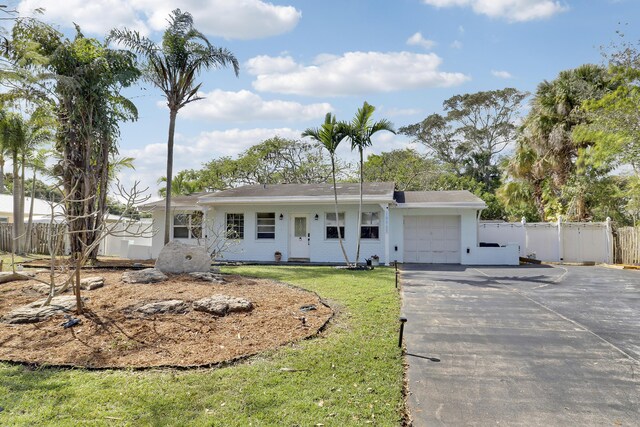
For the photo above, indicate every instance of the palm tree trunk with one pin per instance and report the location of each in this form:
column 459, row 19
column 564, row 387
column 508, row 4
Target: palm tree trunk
column 167, row 207
column 27, row 243
column 18, row 212
column 1, row 174
column 335, row 198
column 359, row 208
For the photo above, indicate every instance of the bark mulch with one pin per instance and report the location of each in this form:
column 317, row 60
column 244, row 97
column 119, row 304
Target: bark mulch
column 112, row 334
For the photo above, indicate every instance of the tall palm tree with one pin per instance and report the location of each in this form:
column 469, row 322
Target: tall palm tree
column 173, row 67
column 20, row 137
column 330, row 135
column 360, row 130
column 13, row 135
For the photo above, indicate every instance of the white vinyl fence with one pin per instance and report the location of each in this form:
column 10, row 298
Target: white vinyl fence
column 132, row 241
column 555, row 242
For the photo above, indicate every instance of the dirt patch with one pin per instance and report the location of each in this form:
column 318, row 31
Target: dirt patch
column 111, row 334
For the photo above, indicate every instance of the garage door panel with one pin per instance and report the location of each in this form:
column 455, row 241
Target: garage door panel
column 432, row 239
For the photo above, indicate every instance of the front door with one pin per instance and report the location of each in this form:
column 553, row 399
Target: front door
column 299, row 237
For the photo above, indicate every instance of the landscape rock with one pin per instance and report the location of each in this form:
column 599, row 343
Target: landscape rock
column 164, row 307
column 208, row 277
column 34, row 312
column 148, row 275
column 220, row 305
column 177, row 258
column 9, row 276
column 91, row 283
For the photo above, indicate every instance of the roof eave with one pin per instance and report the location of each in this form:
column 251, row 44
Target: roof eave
column 293, row 200
column 459, row 205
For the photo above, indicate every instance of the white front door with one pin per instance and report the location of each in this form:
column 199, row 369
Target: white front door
column 299, row 237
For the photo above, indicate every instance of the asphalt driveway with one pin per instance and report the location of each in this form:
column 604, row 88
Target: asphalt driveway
column 539, row 345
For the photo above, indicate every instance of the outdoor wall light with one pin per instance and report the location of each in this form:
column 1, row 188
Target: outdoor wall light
column 281, row 217
column 316, row 217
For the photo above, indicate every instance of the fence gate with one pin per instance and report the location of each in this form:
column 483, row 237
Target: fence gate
column 627, row 245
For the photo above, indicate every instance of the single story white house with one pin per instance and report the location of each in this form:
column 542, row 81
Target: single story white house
column 299, row 221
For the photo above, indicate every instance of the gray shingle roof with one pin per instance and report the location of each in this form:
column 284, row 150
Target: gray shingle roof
column 317, row 193
column 307, row 190
column 462, row 196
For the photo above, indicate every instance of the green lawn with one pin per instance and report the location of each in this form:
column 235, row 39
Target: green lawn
column 351, row 375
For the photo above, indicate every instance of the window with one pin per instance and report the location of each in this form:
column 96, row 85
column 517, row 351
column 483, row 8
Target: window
column 187, row 225
column 235, row 225
column 331, row 225
column 370, row 225
column 266, row 225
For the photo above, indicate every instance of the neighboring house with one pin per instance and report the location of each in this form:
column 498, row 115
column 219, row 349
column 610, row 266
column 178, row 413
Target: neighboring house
column 299, row 221
column 41, row 209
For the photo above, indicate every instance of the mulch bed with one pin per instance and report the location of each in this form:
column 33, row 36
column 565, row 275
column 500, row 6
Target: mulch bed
column 101, row 263
column 113, row 335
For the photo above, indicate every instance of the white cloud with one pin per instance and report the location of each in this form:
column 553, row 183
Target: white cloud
column 418, row 40
column 92, row 16
column 241, row 19
column 501, row 74
column 353, row 73
column 191, row 153
column 245, row 106
column 511, row 10
column 456, row 44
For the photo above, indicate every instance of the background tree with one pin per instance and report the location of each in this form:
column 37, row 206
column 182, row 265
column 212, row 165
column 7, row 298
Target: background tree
column 613, row 122
column 173, row 68
column 477, row 127
column 548, row 159
column 273, row 161
column 410, row 170
column 184, row 183
column 330, row 135
column 360, row 130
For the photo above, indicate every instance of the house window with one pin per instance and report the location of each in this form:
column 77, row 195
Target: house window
column 266, row 225
column 331, row 225
column 235, row 225
column 187, row 225
column 370, row 225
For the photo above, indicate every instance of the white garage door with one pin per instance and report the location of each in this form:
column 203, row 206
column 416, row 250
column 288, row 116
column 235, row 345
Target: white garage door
column 432, row 239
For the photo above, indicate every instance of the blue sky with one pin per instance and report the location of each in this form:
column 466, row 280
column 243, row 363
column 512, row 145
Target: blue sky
column 300, row 59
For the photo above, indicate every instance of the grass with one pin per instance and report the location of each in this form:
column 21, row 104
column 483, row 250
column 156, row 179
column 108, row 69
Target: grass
column 350, row 375
column 18, row 259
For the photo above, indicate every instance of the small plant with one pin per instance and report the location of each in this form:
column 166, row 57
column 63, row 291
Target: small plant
column 375, row 257
column 278, row 256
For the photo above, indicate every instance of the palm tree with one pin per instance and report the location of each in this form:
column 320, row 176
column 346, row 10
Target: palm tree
column 37, row 163
column 20, row 137
column 13, row 136
column 548, row 129
column 330, row 135
column 360, row 131
column 173, row 68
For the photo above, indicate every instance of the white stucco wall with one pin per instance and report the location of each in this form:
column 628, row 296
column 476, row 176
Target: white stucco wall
column 320, row 249
column 250, row 248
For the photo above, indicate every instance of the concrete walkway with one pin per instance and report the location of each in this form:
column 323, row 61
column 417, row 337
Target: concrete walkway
column 530, row 346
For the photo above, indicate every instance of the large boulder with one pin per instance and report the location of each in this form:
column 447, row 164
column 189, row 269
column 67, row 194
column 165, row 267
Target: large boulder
column 220, row 305
column 179, row 258
column 148, row 275
column 35, row 312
